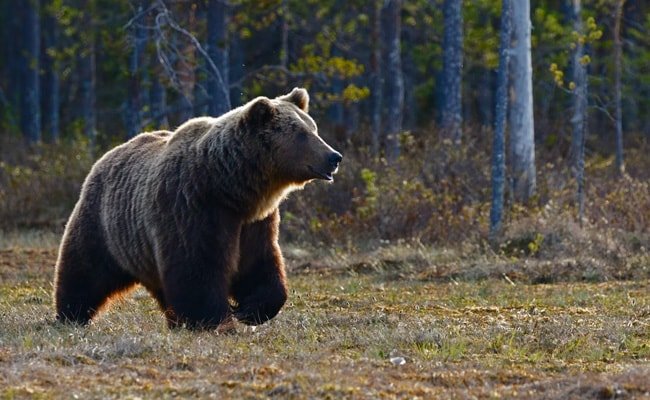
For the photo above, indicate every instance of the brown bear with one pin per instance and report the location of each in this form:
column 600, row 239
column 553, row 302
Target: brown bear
column 192, row 215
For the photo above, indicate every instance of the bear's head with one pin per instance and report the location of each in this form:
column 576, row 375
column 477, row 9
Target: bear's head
column 291, row 136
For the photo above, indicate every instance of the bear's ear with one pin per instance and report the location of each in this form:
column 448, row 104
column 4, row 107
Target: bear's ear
column 299, row 97
column 260, row 112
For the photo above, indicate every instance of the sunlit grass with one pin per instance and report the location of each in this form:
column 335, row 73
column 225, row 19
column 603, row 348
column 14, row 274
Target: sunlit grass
column 335, row 338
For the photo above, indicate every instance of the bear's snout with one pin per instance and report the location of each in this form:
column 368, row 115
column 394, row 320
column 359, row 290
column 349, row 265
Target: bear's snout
column 327, row 167
column 334, row 160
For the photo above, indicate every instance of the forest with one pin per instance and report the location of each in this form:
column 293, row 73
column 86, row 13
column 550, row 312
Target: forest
column 486, row 235
column 386, row 80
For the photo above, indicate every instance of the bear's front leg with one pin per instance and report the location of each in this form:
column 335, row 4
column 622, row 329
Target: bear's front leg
column 196, row 271
column 197, row 303
column 259, row 287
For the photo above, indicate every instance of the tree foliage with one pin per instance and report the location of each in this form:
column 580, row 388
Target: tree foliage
column 326, row 41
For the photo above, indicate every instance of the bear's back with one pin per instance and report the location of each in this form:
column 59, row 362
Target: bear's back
column 119, row 185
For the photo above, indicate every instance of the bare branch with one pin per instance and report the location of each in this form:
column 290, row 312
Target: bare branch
column 213, row 68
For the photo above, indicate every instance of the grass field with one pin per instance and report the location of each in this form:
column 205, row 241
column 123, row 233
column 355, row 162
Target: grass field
column 374, row 325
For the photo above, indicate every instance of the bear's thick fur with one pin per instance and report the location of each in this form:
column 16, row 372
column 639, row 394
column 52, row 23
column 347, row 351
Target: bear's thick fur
column 192, row 215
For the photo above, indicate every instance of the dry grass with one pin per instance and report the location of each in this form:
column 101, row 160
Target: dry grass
column 461, row 334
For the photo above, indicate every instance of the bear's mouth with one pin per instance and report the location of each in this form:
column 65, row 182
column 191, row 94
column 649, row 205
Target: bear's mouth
column 322, row 175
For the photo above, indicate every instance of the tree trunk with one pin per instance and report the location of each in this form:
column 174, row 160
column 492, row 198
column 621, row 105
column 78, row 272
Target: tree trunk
column 579, row 119
column 218, row 86
column 579, row 91
column 87, row 74
column 50, row 84
column 12, row 23
column 376, row 81
column 498, row 146
column 157, row 93
column 134, row 95
column 30, row 102
column 284, row 21
column 522, row 133
column 395, row 80
column 452, row 68
column 618, row 56
column 409, row 72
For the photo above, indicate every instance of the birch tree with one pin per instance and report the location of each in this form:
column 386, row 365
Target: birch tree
column 522, row 136
column 394, row 78
column 498, row 146
column 579, row 118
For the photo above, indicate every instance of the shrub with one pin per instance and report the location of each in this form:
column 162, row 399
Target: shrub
column 439, row 193
column 436, row 193
column 39, row 185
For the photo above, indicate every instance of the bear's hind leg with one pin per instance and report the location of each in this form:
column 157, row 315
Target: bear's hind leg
column 86, row 276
